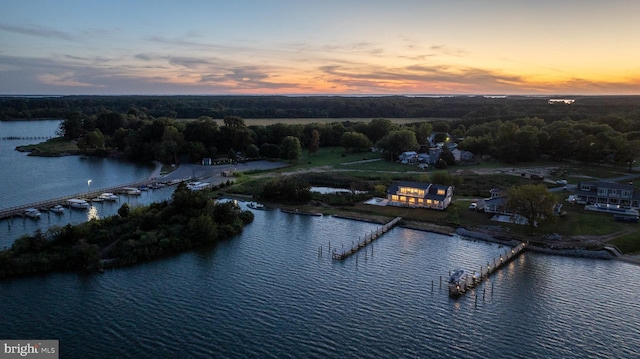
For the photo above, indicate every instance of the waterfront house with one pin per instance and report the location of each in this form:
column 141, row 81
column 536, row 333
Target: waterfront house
column 419, row 195
column 604, row 192
column 496, row 203
column 408, row 157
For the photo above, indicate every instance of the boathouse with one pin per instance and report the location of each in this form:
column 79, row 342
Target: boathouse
column 419, row 195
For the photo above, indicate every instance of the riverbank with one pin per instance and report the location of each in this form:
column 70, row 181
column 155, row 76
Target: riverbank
column 493, row 234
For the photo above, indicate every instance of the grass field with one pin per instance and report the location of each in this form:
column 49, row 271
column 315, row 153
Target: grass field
column 53, row 147
column 628, row 244
column 575, row 221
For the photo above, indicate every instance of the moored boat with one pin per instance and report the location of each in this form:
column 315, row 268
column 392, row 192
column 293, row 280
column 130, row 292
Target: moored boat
column 255, row 205
column 78, row 203
column 32, row 212
column 108, row 196
column 131, row 190
column 459, row 275
column 611, row 208
column 57, row 209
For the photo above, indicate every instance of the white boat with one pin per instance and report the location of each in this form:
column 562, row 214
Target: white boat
column 611, row 208
column 108, row 196
column 78, row 203
column 32, row 212
column 197, row 186
column 459, row 275
column 255, row 205
column 57, row 209
column 131, row 190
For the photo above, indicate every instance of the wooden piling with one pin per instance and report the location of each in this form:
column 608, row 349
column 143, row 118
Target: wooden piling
column 366, row 240
column 468, row 282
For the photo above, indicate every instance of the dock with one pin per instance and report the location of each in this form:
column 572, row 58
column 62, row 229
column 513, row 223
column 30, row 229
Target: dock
column 472, row 279
column 340, row 254
column 18, row 211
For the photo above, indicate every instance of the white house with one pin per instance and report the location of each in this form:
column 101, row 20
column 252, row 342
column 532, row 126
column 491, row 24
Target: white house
column 408, row 157
column 419, row 195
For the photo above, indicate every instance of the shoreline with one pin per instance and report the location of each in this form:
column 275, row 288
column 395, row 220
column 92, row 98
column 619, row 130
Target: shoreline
column 576, row 252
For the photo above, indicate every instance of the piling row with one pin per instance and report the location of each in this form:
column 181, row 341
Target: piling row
column 471, row 280
column 343, row 253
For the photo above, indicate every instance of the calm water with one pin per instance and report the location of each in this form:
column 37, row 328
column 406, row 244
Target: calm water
column 267, row 293
column 26, row 179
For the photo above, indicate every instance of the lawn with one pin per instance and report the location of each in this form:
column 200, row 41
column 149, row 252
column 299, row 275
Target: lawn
column 628, row 244
column 54, row 147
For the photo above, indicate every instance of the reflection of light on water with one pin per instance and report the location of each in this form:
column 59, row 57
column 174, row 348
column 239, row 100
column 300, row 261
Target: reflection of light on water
column 92, row 213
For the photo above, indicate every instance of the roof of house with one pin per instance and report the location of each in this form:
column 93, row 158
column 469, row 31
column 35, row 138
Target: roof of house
column 393, row 188
column 431, row 190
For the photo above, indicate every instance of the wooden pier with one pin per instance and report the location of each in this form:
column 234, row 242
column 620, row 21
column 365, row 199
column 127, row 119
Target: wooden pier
column 18, row 211
column 340, row 254
column 470, row 280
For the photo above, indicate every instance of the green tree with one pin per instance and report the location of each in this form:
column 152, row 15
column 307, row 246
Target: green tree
column 533, row 202
column 355, row 142
column 203, row 228
column 397, row 142
column 269, row 150
column 71, row 127
column 253, row 151
column 93, row 139
column 314, row 142
column 445, row 178
column 124, row 210
column 291, row 149
column 379, row 128
column 628, row 153
column 423, row 132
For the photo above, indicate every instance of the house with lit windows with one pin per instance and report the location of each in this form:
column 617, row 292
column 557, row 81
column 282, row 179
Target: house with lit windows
column 604, row 192
column 419, row 195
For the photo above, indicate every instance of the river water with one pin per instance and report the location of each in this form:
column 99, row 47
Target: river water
column 27, row 179
column 273, row 292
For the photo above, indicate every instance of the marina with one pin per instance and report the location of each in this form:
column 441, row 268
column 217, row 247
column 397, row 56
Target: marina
column 78, row 200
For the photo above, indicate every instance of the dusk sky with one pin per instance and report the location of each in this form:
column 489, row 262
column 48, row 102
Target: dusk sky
column 343, row 47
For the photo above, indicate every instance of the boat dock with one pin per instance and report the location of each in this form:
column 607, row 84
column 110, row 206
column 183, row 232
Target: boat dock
column 340, row 254
column 472, row 279
column 18, row 211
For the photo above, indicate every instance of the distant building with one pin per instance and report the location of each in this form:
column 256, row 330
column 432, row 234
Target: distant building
column 408, row 157
column 496, row 203
column 206, row 161
column 604, row 192
column 555, row 101
column 419, row 195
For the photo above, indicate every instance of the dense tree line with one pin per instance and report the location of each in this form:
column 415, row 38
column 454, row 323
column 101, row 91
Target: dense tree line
column 219, row 107
column 189, row 220
column 610, row 135
column 610, row 139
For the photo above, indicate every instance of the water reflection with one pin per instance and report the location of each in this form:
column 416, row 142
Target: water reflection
column 92, row 213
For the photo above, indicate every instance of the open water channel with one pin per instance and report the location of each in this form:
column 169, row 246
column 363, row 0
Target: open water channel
column 270, row 293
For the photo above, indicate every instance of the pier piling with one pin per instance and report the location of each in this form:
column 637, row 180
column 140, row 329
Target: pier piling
column 470, row 281
column 366, row 240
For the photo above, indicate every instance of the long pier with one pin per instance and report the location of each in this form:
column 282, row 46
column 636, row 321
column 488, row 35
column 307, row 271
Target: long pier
column 18, row 211
column 363, row 242
column 469, row 281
